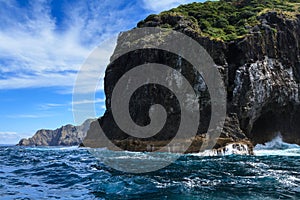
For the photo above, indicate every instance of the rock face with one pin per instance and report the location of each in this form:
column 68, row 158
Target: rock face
column 68, row 135
column 261, row 72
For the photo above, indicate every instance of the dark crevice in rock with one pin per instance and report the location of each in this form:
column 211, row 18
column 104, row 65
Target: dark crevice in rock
column 261, row 72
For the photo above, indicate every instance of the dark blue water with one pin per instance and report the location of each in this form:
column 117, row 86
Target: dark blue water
column 72, row 173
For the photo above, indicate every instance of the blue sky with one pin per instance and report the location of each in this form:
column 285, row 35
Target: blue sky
column 43, row 45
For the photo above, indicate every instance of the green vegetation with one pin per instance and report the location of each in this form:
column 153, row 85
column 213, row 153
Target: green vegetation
column 230, row 19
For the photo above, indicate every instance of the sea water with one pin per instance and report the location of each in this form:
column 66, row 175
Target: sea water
column 73, row 173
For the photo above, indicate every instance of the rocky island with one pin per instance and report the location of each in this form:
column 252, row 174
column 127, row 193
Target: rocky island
column 255, row 45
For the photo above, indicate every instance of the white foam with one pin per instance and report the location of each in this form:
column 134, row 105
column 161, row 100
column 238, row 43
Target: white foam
column 277, row 147
column 51, row 148
column 229, row 149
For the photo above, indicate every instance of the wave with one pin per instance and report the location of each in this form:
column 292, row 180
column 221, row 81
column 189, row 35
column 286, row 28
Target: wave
column 51, row 148
column 229, row 149
column 277, row 147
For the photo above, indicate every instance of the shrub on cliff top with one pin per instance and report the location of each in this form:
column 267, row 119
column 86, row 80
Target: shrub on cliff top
column 227, row 19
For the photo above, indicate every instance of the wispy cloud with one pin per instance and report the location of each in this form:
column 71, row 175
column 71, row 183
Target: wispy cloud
column 159, row 6
column 30, row 116
column 37, row 52
column 8, row 133
column 38, row 79
column 11, row 137
column 49, row 106
column 38, row 49
column 88, row 101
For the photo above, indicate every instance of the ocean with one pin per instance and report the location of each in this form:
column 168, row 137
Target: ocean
column 73, row 173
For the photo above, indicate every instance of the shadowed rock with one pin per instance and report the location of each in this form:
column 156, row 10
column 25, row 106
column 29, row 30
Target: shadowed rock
column 261, row 72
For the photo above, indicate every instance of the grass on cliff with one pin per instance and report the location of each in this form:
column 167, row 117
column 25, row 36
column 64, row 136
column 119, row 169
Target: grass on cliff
column 229, row 19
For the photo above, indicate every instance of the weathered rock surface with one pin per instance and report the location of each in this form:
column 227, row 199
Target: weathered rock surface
column 68, row 135
column 261, row 73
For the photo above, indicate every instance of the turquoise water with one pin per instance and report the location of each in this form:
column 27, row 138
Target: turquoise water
column 73, row 173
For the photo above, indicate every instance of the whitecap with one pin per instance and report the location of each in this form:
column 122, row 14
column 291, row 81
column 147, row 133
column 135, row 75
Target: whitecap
column 277, row 147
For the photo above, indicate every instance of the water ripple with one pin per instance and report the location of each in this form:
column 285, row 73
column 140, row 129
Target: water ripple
column 72, row 173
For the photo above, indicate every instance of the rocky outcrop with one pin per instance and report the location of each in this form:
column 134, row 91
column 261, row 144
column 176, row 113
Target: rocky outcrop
column 261, row 72
column 68, row 135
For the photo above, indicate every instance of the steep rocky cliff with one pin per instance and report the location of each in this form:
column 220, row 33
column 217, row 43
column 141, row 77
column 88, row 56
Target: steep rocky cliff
column 257, row 53
column 68, row 135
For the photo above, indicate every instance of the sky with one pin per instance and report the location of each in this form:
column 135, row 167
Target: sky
column 43, row 46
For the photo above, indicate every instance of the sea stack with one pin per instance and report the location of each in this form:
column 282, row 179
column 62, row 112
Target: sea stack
column 255, row 46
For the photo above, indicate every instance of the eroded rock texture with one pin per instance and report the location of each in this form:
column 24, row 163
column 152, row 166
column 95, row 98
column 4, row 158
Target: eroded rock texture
column 261, row 72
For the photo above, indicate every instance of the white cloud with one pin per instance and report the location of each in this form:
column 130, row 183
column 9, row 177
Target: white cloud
column 11, row 137
column 87, row 101
column 30, row 116
column 34, row 52
column 162, row 5
column 41, row 79
column 49, row 106
column 8, row 133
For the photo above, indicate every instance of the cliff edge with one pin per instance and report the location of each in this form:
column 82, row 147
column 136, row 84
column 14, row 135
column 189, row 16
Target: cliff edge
column 255, row 45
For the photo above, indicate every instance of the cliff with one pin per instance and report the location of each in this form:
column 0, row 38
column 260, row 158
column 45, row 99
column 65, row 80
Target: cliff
column 68, row 135
column 255, row 45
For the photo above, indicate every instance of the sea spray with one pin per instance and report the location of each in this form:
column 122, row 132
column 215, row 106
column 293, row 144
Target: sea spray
column 277, row 147
column 229, row 149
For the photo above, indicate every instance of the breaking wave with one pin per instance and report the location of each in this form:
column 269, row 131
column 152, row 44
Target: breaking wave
column 277, row 147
